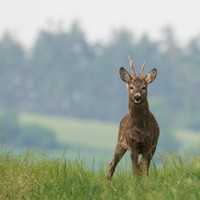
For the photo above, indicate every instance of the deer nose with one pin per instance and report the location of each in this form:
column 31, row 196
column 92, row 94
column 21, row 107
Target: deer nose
column 137, row 98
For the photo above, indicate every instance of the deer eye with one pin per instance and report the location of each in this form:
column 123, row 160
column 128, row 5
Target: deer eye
column 143, row 88
column 131, row 87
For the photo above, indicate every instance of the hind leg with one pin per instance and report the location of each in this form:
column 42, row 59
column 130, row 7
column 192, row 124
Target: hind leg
column 119, row 152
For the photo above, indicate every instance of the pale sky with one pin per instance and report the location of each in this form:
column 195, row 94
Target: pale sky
column 24, row 18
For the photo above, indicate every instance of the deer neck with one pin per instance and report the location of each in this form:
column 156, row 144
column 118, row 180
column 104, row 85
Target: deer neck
column 139, row 114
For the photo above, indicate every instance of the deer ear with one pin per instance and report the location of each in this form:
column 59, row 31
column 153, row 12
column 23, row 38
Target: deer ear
column 125, row 76
column 151, row 76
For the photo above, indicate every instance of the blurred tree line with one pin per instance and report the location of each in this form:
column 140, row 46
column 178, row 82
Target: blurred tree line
column 64, row 74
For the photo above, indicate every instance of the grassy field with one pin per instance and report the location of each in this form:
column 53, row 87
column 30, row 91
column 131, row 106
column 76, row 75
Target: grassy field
column 36, row 175
column 31, row 175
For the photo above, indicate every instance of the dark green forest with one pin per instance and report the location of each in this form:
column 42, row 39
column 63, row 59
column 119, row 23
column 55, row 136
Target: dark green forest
column 65, row 74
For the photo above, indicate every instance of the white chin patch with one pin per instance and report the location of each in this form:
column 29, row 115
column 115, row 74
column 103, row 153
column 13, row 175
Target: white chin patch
column 137, row 101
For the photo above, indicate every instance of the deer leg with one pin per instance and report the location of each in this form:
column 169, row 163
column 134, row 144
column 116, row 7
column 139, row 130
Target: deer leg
column 119, row 152
column 135, row 164
column 146, row 164
column 147, row 160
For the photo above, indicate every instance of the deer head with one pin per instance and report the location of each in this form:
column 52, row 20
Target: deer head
column 137, row 86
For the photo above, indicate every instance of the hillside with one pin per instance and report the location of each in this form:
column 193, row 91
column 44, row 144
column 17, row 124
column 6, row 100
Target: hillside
column 90, row 138
column 84, row 137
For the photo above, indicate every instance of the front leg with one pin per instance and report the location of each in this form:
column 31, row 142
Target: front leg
column 147, row 160
column 119, row 152
column 144, row 165
column 135, row 164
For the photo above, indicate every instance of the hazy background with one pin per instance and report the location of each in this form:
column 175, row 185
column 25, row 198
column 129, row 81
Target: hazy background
column 59, row 82
column 24, row 18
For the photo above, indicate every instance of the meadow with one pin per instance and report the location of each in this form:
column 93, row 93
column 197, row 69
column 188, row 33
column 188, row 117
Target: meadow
column 31, row 175
column 79, row 170
column 36, row 174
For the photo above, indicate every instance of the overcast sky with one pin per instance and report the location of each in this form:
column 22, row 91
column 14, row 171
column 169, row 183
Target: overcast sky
column 24, row 18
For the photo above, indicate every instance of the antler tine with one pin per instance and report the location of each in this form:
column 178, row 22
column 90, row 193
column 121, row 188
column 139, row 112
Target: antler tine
column 131, row 66
column 141, row 71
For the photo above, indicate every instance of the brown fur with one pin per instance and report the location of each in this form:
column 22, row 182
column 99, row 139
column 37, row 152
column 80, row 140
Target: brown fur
column 138, row 130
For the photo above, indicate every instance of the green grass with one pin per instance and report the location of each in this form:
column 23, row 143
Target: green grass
column 31, row 175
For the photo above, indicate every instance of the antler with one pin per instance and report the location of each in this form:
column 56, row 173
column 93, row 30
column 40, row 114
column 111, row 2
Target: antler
column 141, row 71
column 131, row 66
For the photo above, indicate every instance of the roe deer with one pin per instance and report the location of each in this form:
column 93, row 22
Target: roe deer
column 138, row 130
